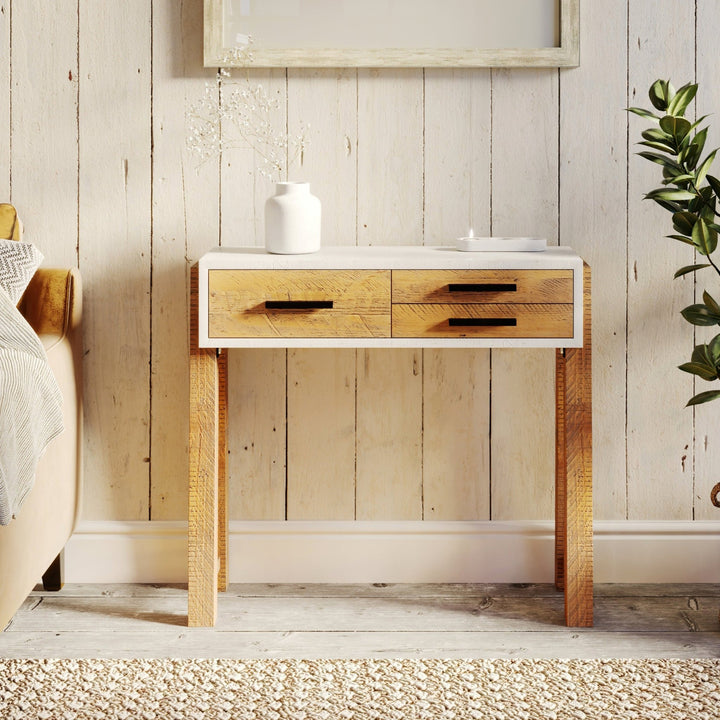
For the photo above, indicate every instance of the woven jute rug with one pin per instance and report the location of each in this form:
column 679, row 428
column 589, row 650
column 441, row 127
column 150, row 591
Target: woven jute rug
column 359, row 689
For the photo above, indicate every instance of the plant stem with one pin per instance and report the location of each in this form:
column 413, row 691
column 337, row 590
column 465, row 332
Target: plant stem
column 705, row 202
column 717, row 270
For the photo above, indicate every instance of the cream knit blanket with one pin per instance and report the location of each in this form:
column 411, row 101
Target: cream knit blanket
column 30, row 407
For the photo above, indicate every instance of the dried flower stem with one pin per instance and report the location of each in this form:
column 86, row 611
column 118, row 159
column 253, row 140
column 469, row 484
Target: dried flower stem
column 235, row 114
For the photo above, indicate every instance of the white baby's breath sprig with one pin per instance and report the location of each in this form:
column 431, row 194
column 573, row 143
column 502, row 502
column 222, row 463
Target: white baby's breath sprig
column 239, row 114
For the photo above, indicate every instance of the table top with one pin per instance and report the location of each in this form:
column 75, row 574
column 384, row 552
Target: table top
column 391, row 258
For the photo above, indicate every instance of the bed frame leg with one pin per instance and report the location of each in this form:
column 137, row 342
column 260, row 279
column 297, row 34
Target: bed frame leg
column 52, row 578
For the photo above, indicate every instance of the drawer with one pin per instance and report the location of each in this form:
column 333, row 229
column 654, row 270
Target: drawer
column 482, row 320
column 482, row 286
column 298, row 303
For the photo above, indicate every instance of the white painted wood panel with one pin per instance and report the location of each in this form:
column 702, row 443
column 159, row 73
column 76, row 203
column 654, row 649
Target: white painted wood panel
column 257, row 431
column 44, row 138
column 5, row 133
column 707, row 417
column 185, row 225
column 256, row 384
column 457, row 154
column 323, row 104
column 390, row 206
column 524, row 202
column 321, row 434
column 659, row 428
column 421, row 144
column 456, row 384
column 322, row 383
column 456, row 431
column 389, row 435
column 593, row 217
column 115, row 216
column 244, row 188
column 390, row 157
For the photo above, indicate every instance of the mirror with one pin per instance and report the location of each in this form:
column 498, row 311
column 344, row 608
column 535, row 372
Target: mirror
column 391, row 33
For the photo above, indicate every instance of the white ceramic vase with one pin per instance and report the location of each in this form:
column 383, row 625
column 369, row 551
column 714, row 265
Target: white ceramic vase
column 292, row 220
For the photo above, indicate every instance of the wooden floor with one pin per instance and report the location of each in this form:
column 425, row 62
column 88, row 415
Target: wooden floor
column 311, row 621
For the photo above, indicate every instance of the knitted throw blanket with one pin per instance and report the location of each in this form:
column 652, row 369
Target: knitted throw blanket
column 30, row 407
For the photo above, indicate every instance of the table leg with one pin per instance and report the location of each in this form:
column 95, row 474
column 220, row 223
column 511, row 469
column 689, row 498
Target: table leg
column 222, row 471
column 560, row 470
column 574, row 539
column 202, row 476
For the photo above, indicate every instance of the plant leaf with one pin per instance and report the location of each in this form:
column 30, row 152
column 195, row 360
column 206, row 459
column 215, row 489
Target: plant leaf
column 689, row 156
column 700, row 314
column 656, row 145
column 672, row 207
column 679, row 179
column 714, row 184
column 704, row 239
column 708, row 300
column 657, row 134
column 701, row 355
column 659, row 95
column 661, row 160
column 684, row 222
column 681, row 238
column 690, row 268
column 703, row 397
column 699, row 139
column 699, row 369
column 698, row 121
column 682, row 99
column 714, row 349
column 678, row 127
column 643, row 113
column 669, row 194
column 704, row 167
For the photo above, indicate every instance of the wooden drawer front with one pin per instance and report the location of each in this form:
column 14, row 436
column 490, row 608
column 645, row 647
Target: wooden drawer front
column 298, row 303
column 482, row 286
column 506, row 320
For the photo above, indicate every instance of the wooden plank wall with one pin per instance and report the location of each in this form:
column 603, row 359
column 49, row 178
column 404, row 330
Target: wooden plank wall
column 92, row 153
column 5, row 106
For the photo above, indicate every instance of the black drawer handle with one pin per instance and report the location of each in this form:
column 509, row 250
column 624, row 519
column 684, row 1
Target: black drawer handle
column 298, row 304
column 482, row 322
column 482, row 287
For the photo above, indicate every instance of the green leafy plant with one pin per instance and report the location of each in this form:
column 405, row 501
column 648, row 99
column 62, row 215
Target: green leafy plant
column 691, row 194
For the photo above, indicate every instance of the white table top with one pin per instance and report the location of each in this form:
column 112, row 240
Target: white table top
column 409, row 257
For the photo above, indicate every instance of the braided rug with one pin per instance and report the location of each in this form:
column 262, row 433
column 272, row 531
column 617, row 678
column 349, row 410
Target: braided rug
column 359, row 689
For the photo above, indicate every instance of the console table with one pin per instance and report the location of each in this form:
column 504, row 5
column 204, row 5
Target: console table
column 367, row 297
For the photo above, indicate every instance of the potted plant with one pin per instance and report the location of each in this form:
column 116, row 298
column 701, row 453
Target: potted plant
column 690, row 193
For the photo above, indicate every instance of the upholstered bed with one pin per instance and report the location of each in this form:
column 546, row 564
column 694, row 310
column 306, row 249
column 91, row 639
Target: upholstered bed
column 32, row 541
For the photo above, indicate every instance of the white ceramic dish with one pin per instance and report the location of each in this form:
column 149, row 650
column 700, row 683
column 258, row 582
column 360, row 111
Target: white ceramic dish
column 501, row 244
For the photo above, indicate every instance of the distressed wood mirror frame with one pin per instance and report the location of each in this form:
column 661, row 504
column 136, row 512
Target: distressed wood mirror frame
column 219, row 53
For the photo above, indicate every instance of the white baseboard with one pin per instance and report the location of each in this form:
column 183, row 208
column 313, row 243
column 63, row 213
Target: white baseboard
column 398, row 552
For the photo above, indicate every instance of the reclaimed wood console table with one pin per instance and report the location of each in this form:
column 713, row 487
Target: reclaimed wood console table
column 368, row 297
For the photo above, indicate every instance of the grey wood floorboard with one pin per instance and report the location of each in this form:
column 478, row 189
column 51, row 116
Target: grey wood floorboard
column 256, row 621
column 389, row 590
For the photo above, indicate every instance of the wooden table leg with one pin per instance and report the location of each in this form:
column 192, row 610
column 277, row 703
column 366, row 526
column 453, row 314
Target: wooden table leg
column 560, row 470
column 222, row 471
column 574, row 538
column 203, row 476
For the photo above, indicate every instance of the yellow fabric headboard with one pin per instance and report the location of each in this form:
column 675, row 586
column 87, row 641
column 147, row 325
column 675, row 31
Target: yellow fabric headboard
column 10, row 225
